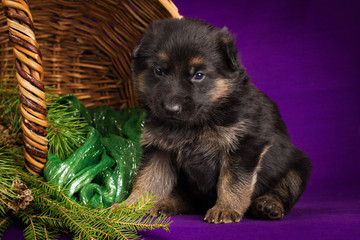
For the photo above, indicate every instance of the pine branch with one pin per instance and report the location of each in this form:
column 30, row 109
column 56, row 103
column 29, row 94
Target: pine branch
column 52, row 209
column 78, row 229
column 66, row 131
column 117, row 231
column 109, row 224
column 7, row 176
column 9, row 102
column 49, row 190
column 52, row 212
column 115, row 223
column 146, row 223
column 39, row 231
column 31, row 233
column 46, row 232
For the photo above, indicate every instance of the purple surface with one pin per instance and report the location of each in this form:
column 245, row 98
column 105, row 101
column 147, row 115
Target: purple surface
column 305, row 55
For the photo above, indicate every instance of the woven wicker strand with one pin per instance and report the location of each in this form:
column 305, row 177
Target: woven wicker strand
column 85, row 46
column 29, row 74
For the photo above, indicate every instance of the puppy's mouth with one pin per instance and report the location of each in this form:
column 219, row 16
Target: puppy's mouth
column 174, row 117
column 185, row 116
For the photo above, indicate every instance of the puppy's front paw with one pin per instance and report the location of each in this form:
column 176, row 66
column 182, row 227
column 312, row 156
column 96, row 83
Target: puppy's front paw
column 215, row 215
column 163, row 208
column 114, row 206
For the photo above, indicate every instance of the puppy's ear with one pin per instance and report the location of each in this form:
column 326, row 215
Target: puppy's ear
column 136, row 51
column 151, row 31
column 228, row 48
column 134, row 55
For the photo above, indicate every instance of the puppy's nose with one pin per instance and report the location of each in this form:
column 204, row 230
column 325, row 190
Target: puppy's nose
column 173, row 108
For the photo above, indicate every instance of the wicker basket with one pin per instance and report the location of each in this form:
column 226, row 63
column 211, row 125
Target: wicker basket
column 85, row 49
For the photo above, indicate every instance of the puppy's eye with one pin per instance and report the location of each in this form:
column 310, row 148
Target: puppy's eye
column 198, row 76
column 159, row 71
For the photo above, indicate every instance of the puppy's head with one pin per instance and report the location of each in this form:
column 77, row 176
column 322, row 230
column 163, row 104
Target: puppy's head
column 184, row 68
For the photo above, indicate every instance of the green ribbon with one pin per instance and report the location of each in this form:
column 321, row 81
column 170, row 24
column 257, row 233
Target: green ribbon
column 101, row 171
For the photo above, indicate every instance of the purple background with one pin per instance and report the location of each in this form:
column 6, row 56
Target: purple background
column 305, row 55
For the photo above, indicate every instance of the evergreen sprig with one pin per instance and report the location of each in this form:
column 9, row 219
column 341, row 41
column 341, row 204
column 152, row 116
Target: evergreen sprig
column 9, row 102
column 7, row 168
column 51, row 213
column 66, row 131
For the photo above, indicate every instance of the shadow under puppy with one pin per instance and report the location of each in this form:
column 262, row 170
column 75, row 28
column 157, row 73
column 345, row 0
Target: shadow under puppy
column 212, row 142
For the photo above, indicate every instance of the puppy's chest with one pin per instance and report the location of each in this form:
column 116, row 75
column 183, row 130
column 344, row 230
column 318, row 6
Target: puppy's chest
column 198, row 152
column 200, row 169
column 209, row 140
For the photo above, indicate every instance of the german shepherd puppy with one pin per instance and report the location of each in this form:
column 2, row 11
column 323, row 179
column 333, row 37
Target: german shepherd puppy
column 212, row 142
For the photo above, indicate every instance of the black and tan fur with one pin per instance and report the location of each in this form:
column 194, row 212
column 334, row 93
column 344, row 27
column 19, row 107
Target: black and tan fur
column 213, row 144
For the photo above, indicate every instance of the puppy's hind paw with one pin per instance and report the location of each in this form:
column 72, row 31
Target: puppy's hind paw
column 216, row 216
column 267, row 208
